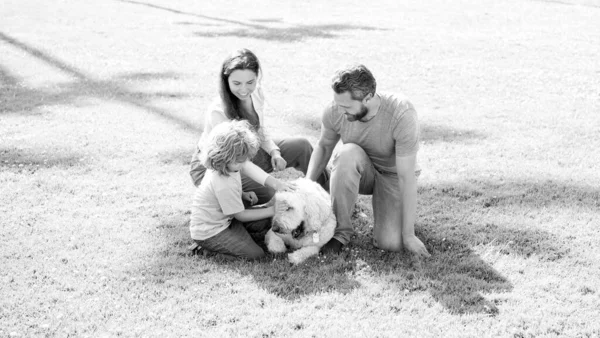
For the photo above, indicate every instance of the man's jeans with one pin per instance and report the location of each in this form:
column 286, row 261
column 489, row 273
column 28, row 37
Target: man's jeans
column 352, row 174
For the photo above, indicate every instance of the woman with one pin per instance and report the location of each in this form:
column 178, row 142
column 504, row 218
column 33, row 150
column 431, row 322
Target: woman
column 241, row 98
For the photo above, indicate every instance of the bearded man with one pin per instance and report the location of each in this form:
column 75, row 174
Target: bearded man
column 380, row 140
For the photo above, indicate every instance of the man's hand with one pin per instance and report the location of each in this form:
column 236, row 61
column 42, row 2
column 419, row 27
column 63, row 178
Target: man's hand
column 415, row 246
column 250, row 196
column 277, row 162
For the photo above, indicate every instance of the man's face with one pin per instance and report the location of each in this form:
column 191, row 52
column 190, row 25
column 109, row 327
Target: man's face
column 354, row 110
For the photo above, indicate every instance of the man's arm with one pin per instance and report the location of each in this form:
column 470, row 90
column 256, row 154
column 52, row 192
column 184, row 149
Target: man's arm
column 322, row 152
column 408, row 186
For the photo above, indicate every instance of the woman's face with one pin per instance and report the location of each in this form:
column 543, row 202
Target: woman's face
column 242, row 83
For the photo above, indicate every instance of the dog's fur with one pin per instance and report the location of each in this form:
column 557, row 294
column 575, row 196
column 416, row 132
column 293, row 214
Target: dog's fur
column 307, row 225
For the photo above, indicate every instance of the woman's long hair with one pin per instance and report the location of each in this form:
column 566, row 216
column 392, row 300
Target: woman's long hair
column 241, row 59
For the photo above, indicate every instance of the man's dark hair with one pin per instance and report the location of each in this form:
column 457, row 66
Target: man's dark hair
column 356, row 79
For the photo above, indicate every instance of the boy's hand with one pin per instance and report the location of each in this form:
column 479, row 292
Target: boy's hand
column 285, row 186
column 281, row 206
column 250, row 196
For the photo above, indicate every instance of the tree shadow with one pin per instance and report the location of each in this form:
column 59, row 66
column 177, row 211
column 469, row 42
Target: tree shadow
column 256, row 30
column 180, row 156
column 439, row 133
column 524, row 194
column 27, row 159
column 577, row 3
column 458, row 275
column 16, row 98
column 288, row 34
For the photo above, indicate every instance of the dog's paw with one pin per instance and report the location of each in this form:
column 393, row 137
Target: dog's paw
column 302, row 254
column 296, row 257
column 274, row 243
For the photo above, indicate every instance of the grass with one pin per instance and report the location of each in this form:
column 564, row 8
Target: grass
column 101, row 104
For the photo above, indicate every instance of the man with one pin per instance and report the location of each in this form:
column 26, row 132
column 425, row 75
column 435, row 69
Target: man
column 380, row 139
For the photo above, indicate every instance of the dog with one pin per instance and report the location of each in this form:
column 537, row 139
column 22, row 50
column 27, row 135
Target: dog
column 306, row 225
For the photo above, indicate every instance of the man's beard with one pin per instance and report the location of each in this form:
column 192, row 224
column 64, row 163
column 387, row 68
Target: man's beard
column 363, row 112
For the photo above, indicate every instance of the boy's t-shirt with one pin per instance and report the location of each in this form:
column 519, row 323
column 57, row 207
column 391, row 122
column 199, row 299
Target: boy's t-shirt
column 393, row 131
column 215, row 200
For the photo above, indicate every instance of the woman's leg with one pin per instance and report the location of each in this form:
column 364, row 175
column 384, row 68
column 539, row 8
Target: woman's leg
column 296, row 151
column 234, row 241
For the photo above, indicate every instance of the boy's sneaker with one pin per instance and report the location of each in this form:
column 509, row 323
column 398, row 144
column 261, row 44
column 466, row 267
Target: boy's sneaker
column 195, row 249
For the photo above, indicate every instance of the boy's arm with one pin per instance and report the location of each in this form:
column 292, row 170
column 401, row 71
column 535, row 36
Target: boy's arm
column 249, row 215
column 261, row 177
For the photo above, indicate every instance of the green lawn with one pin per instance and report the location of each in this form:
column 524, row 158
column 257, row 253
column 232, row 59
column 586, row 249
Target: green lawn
column 101, row 104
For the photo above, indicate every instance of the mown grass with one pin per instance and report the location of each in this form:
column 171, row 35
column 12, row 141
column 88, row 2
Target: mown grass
column 99, row 115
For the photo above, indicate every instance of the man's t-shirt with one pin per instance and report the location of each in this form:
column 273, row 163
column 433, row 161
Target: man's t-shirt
column 215, row 200
column 393, row 131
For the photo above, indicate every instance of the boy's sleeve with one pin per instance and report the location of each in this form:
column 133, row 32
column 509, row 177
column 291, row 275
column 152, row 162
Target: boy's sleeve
column 229, row 197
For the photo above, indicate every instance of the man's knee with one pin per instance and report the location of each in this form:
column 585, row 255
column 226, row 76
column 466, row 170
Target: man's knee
column 388, row 243
column 347, row 157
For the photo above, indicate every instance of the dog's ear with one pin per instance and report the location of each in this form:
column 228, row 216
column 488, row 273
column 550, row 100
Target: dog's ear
column 317, row 207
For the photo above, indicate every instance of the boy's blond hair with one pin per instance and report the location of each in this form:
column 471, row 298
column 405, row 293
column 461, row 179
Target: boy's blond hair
column 227, row 143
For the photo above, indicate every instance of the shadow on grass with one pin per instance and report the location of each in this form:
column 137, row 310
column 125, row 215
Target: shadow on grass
column 571, row 3
column 17, row 98
column 439, row 133
column 178, row 156
column 459, row 275
column 32, row 160
column 272, row 273
column 312, row 124
column 288, row 34
column 256, row 30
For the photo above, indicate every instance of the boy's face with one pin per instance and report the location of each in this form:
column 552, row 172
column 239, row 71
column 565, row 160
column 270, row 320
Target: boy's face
column 236, row 166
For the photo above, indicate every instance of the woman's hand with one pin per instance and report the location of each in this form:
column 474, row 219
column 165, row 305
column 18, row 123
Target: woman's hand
column 250, row 196
column 277, row 162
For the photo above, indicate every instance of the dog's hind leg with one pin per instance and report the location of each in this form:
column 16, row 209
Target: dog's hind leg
column 274, row 243
column 302, row 254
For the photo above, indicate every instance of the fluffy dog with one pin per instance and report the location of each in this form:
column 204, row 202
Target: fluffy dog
column 307, row 224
